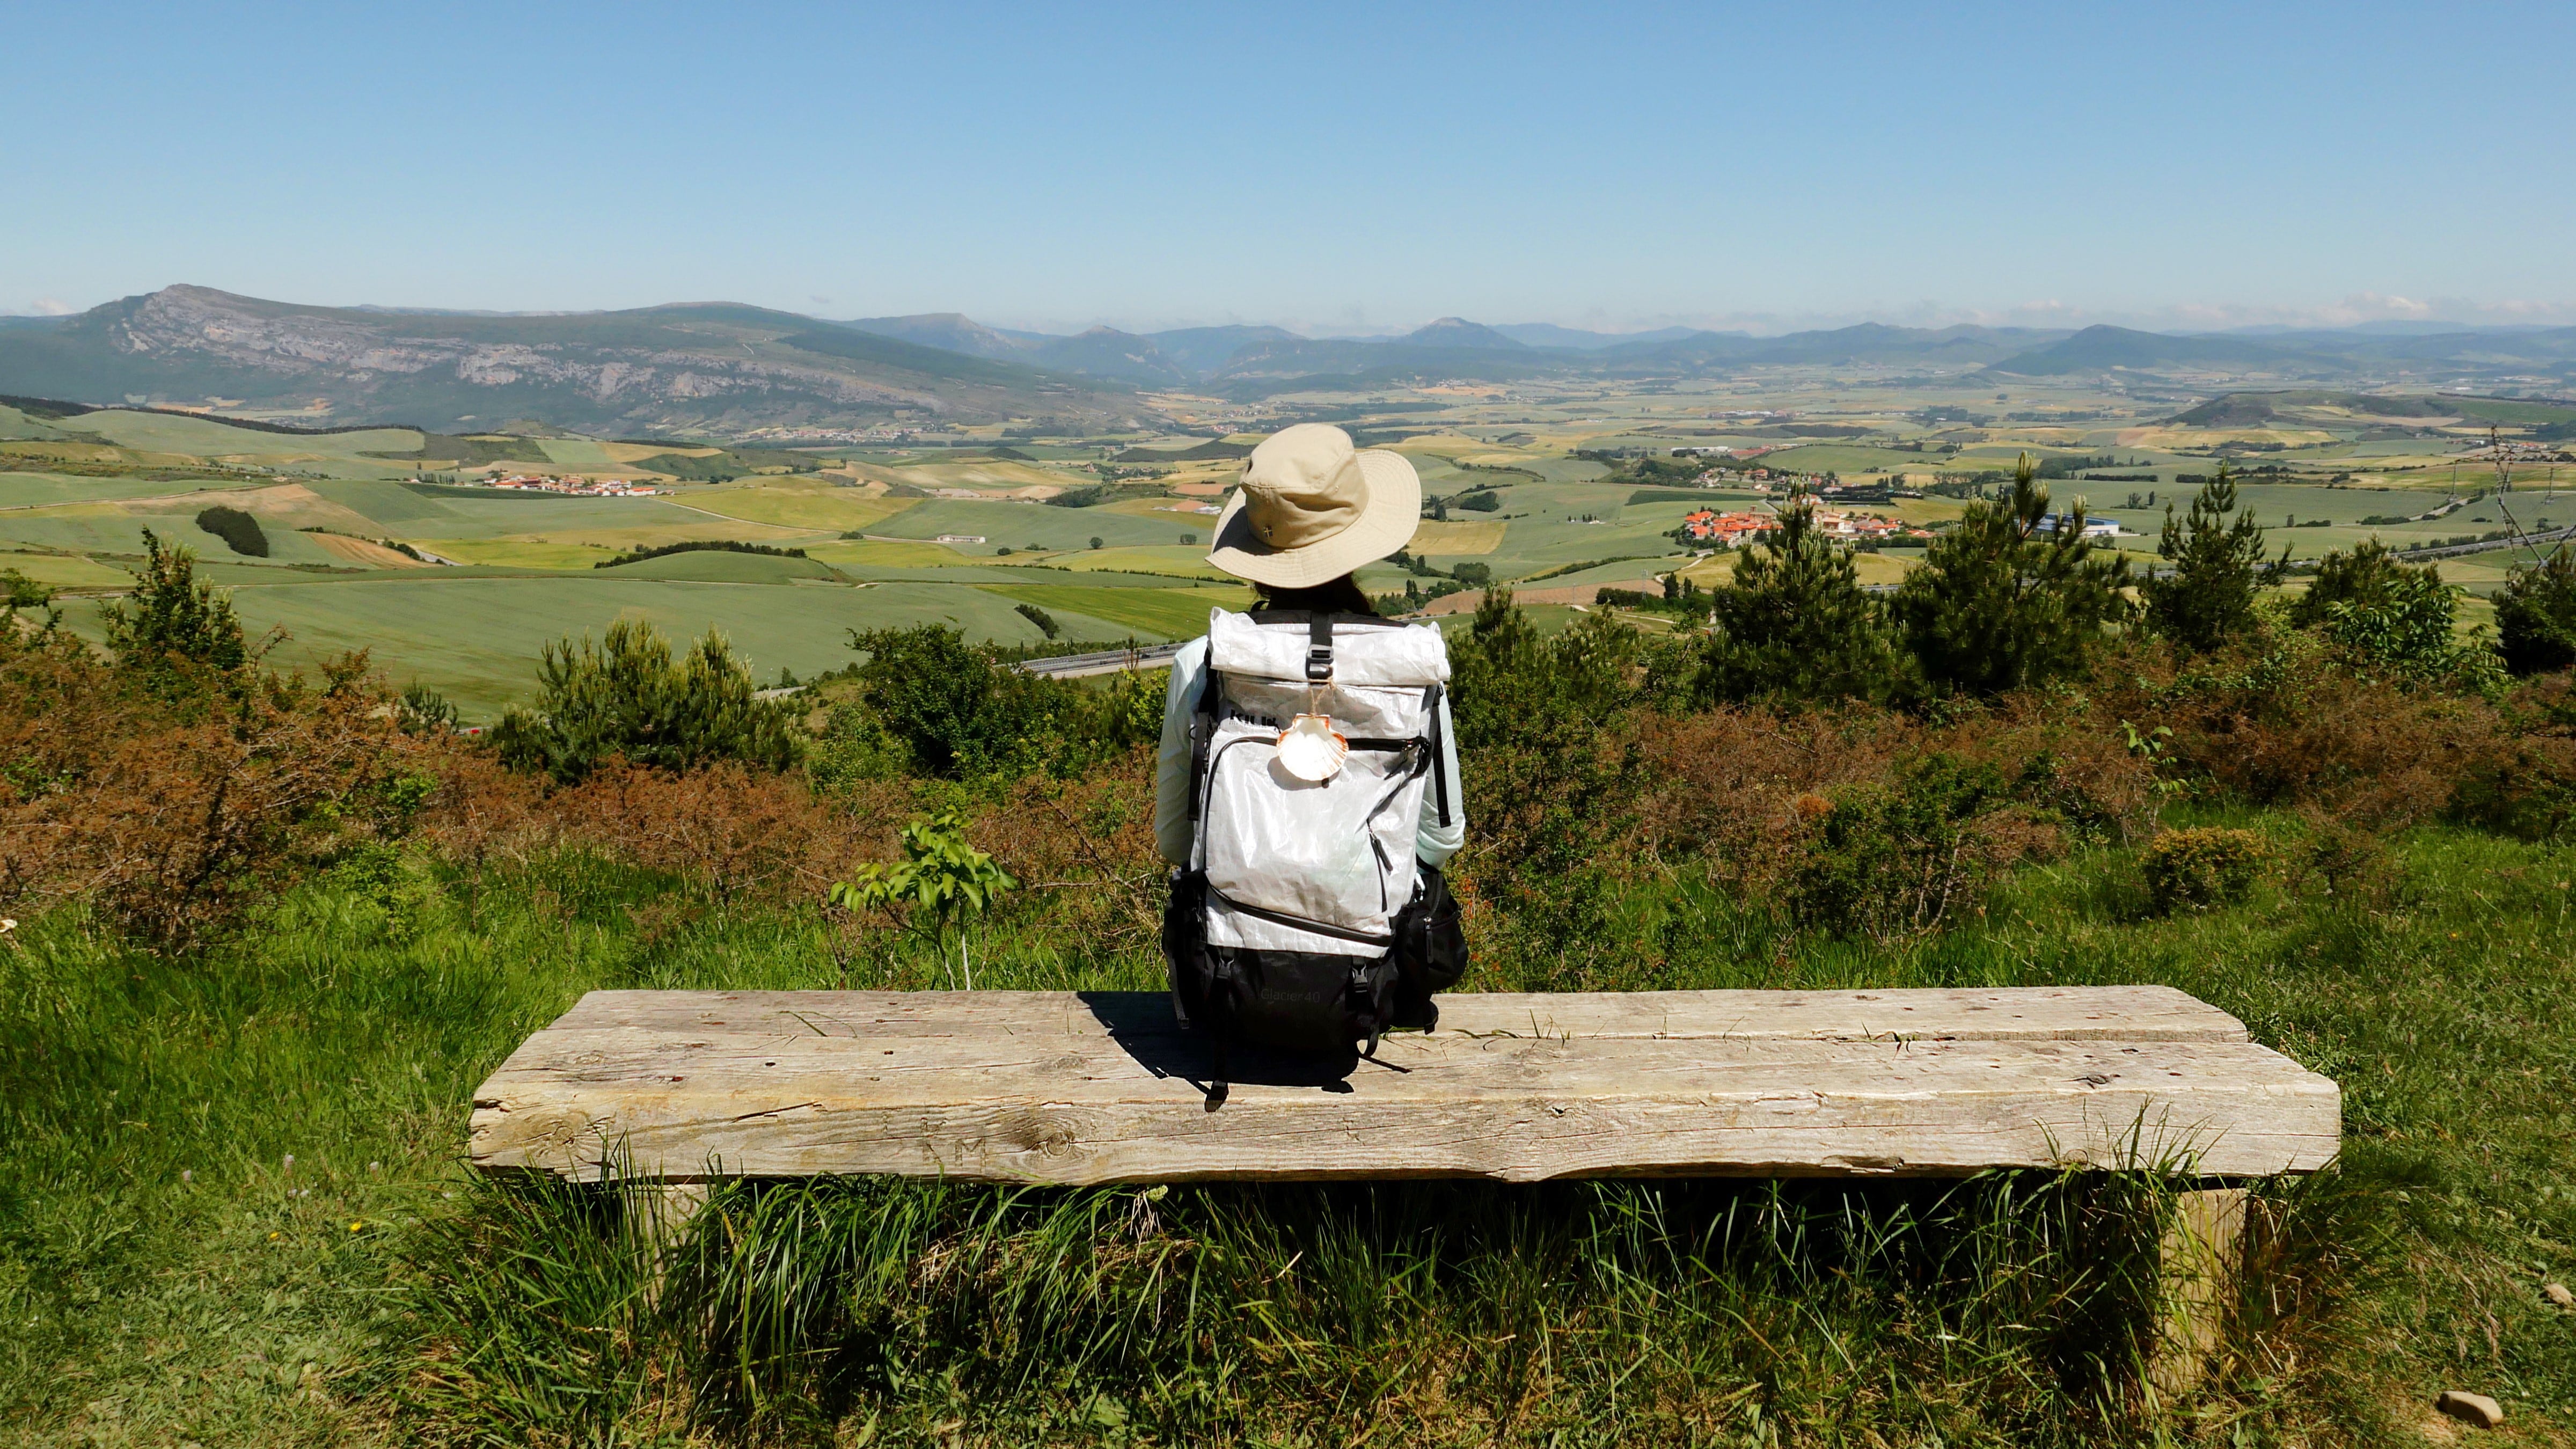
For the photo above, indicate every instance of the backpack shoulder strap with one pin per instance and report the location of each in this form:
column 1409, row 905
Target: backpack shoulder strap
column 1434, row 700
column 1202, row 730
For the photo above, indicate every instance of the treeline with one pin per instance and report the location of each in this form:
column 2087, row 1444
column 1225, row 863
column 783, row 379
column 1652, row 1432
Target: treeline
column 697, row 545
column 2016, row 597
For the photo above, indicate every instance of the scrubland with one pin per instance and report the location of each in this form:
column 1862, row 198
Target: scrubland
column 271, row 931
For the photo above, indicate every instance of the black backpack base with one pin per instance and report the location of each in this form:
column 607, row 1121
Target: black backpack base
column 1300, row 1001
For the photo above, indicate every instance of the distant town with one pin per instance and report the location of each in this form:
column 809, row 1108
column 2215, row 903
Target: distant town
column 576, row 487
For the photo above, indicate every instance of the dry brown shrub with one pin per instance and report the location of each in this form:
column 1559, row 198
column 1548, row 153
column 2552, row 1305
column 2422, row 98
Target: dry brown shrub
column 2299, row 725
column 1083, row 850
column 1746, row 791
column 1726, row 786
column 173, row 817
column 739, row 833
column 481, row 814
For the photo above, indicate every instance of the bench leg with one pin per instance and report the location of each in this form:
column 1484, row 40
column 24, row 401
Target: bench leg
column 658, row 1212
column 2197, row 1263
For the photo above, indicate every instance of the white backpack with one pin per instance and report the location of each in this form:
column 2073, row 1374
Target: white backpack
column 1285, row 927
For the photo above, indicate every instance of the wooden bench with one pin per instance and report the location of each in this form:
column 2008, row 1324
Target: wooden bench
column 1101, row 1087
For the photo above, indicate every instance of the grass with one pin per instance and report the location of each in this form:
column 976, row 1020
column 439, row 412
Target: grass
column 39, row 490
column 839, row 510
column 1457, row 538
column 66, row 570
column 168, row 1278
column 1149, row 613
column 1038, row 526
column 859, row 555
column 516, row 553
column 577, row 453
column 717, row 566
column 1184, row 561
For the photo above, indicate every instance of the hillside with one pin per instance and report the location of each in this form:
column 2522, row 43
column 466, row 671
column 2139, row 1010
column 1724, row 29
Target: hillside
column 690, row 367
column 2098, row 348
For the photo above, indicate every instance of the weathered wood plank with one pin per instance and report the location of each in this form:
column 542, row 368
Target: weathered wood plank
column 2128, row 1013
column 1070, row 1103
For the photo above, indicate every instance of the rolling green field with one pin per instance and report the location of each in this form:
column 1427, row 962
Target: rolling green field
column 1149, row 613
column 1033, row 526
column 477, row 639
column 39, row 490
column 475, row 631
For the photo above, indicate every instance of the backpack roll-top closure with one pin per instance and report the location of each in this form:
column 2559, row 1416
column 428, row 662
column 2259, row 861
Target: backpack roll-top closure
column 1364, row 650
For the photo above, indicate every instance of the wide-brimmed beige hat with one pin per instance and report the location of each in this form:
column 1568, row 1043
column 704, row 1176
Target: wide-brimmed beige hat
column 1312, row 508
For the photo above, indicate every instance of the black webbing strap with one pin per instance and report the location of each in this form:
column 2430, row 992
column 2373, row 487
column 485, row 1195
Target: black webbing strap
column 1319, row 647
column 1202, row 730
column 1439, row 752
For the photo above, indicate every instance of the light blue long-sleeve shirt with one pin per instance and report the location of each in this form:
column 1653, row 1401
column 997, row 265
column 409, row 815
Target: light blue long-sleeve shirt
column 1433, row 842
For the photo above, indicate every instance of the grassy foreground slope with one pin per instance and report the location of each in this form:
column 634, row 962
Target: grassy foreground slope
column 235, row 1214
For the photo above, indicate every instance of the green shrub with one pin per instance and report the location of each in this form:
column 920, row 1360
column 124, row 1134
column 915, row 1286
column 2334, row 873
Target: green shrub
column 1548, row 799
column 627, row 697
column 1896, row 859
column 854, row 746
column 169, row 618
column 952, row 707
column 424, row 711
column 698, row 545
column 2536, row 616
column 17, row 591
column 2408, row 627
column 2360, row 578
column 239, row 531
column 2202, row 868
column 1045, row 621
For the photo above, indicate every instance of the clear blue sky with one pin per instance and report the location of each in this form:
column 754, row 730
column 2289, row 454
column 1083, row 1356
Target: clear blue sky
column 1333, row 166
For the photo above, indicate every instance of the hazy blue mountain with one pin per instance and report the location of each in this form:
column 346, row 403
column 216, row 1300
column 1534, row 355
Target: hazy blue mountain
column 1108, row 352
column 1548, row 334
column 949, row 332
column 1458, row 332
column 1205, row 349
column 2101, row 348
column 1875, row 343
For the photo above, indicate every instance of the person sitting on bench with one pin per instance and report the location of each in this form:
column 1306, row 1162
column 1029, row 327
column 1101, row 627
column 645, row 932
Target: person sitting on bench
column 1307, row 791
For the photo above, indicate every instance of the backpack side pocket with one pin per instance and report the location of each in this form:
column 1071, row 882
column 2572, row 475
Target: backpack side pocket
column 1430, row 946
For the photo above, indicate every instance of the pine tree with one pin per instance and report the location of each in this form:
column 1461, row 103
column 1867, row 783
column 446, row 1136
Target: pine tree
column 1796, row 626
column 1996, row 605
column 2217, row 557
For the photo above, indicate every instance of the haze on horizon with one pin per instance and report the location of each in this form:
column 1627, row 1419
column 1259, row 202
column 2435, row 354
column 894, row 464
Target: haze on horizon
column 1358, row 171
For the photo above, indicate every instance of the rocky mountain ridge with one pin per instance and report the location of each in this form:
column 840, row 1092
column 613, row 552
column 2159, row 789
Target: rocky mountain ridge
column 700, row 364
